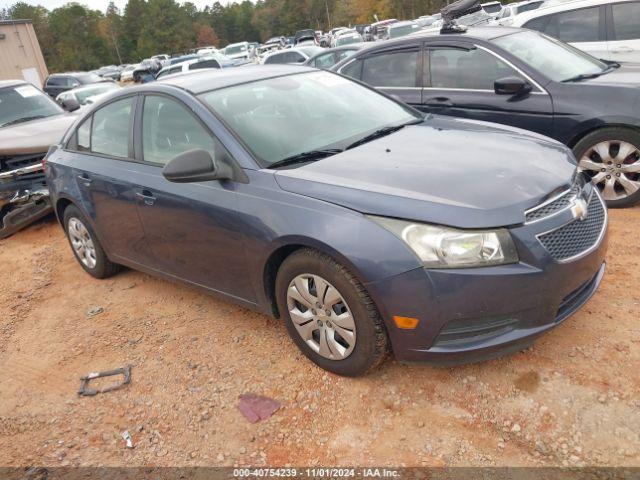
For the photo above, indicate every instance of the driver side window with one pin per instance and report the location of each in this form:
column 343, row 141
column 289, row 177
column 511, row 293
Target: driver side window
column 168, row 130
column 467, row 69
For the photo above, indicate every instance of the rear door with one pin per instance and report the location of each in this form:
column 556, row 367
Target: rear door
column 459, row 81
column 583, row 28
column 193, row 229
column 623, row 30
column 104, row 169
column 395, row 71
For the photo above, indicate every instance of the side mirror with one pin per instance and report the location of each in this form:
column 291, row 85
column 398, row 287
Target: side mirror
column 511, row 86
column 196, row 165
column 70, row 105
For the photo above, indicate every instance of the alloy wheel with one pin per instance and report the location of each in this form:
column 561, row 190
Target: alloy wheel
column 82, row 243
column 321, row 316
column 614, row 166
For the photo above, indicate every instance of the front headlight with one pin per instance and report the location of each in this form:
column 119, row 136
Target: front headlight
column 444, row 247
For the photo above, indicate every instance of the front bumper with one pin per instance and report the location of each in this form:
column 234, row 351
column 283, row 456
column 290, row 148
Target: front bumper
column 474, row 314
column 24, row 196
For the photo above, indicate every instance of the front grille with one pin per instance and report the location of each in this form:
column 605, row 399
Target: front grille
column 558, row 204
column 460, row 332
column 14, row 162
column 579, row 236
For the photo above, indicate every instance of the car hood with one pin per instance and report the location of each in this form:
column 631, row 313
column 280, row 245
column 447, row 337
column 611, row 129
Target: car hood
column 628, row 74
column 35, row 136
column 447, row 171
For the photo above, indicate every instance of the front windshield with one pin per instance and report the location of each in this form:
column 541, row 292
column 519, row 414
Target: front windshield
column 554, row 59
column 492, row 8
column 23, row 103
column 278, row 118
column 85, row 93
column 235, row 49
column 395, row 32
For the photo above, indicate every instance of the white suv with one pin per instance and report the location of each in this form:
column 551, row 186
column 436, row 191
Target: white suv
column 607, row 29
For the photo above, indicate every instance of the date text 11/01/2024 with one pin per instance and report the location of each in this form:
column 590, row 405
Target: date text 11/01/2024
column 318, row 472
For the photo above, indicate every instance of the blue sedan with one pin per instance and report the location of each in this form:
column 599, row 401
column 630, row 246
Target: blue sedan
column 366, row 226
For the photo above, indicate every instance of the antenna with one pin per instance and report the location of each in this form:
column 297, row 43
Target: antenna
column 456, row 10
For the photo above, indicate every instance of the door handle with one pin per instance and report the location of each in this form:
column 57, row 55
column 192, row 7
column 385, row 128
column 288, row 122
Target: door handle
column 439, row 102
column 84, row 178
column 147, row 197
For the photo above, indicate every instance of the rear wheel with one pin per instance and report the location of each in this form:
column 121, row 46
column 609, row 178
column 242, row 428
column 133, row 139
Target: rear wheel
column 329, row 314
column 611, row 158
column 86, row 246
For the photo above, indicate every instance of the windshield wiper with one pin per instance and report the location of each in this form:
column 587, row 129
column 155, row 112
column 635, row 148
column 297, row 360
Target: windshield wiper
column 381, row 133
column 22, row 120
column 586, row 76
column 305, row 157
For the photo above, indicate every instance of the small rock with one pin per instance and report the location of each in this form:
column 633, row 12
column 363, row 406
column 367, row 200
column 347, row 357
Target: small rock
column 515, row 428
column 93, row 311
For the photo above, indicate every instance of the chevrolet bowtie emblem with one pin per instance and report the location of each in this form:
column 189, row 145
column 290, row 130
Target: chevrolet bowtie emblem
column 580, row 209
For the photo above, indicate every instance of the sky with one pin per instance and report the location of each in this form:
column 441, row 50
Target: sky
column 94, row 4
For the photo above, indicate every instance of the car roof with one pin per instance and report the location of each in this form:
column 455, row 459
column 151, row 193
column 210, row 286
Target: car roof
column 480, row 33
column 199, row 81
column 11, row 83
column 402, row 23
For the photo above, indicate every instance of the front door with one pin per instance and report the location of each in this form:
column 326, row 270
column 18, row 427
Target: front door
column 459, row 81
column 193, row 229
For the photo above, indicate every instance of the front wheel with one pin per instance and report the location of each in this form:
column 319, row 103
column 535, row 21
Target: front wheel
column 329, row 314
column 611, row 158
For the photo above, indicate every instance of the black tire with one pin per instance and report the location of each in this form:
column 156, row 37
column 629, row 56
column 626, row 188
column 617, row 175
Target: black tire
column 371, row 345
column 104, row 268
column 612, row 134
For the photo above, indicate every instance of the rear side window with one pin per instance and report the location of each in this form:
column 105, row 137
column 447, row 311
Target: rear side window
column 394, row 69
column 626, row 21
column 467, row 69
column 168, row 130
column 111, row 127
column 581, row 25
column 353, row 70
column 84, row 136
column 58, row 82
column 278, row 58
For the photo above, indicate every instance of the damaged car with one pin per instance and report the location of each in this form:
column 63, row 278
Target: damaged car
column 30, row 121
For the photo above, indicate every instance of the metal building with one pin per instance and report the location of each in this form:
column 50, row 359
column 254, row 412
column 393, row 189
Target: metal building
column 20, row 54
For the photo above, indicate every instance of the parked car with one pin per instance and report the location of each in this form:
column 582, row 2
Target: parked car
column 76, row 97
column 111, row 72
column 182, row 58
column 492, row 8
column 57, row 83
column 307, row 35
column 346, row 37
column 310, row 197
column 208, row 61
column 377, row 30
column 291, row 55
column 206, row 50
column 326, row 59
column 509, row 11
column 147, row 69
column 400, row 29
column 30, row 122
column 524, row 79
column 241, row 50
column 604, row 28
column 127, row 73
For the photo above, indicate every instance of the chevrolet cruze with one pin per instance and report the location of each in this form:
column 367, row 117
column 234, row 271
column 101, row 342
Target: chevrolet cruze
column 366, row 226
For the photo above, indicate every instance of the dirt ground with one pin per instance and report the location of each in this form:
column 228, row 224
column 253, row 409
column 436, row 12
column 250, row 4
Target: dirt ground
column 572, row 399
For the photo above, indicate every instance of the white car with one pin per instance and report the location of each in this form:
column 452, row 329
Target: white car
column 207, row 50
column 239, row 51
column 295, row 55
column 345, row 37
column 509, row 11
column 207, row 61
column 400, row 29
column 606, row 29
column 492, row 8
column 83, row 95
column 127, row 73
